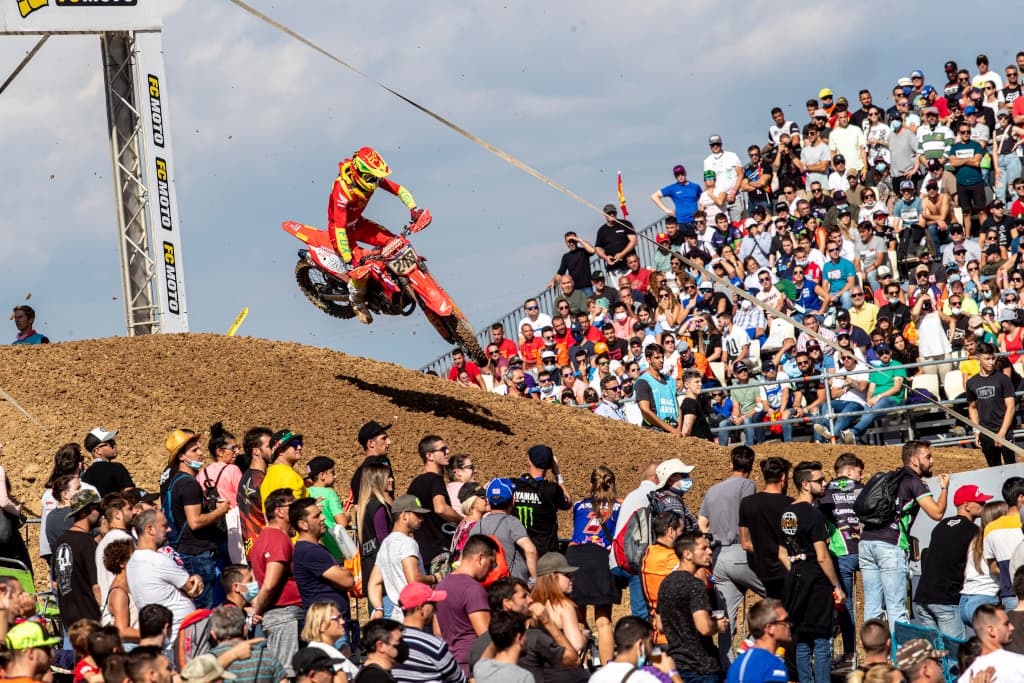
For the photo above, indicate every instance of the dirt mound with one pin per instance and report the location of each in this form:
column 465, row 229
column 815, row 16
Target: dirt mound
column 146, row 386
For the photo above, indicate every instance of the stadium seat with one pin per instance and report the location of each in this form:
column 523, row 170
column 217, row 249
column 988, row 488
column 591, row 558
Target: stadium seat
column 905, row 631
column 718, row 370
column 953, row 384
column 926, row 381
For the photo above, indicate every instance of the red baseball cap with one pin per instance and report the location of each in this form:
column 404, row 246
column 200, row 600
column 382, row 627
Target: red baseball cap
column 969, row 494
column 415, row 594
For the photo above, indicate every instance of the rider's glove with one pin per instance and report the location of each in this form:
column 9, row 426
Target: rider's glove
column 415, row 214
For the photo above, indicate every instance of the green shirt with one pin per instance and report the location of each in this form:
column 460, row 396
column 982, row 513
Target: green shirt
column 332, row 506
column 745, row 395
column 884, row 378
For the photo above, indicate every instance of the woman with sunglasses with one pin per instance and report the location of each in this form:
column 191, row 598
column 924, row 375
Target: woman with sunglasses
column 223, row 475
column 460, row 470
column 670, row 313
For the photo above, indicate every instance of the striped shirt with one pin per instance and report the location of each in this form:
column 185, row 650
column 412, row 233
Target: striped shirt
column 430, row 660
column 259, row 667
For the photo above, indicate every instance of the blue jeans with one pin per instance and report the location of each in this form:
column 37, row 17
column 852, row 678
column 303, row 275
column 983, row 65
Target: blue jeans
column 969, row 603
column 1010, row 603
column 637, row 602
column 866, row 420
column 944, row 618
column 844, row 299
column 843, row 422
column 936, row 237
column 883, row 569
column 1009, row 164
column 752, row 435
column 820, row 670
column 205, row 565
column 847, row 565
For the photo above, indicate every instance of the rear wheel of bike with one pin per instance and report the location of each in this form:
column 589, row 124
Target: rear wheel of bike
column 312, row 281
column 455, row 329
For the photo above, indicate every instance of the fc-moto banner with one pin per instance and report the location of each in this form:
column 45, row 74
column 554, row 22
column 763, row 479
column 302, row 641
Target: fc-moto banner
column 165, row 232
column 79, row 16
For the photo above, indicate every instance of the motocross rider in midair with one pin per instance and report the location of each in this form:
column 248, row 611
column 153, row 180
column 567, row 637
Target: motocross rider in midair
column 357, row 178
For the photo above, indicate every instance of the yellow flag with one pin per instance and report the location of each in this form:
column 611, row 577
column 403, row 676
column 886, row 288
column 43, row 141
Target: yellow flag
column 238, row 321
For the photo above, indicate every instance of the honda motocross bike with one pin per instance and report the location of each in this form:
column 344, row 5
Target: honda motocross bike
column 398, row 282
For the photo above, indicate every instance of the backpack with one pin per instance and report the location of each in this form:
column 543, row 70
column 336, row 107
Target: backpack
column 174, row 529
column 193, row 638
column 211, row 496
column 875, row 506
column 501, row 566
column 631, row 543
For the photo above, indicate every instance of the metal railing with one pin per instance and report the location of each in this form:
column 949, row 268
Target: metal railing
column 828, row 416
column 546, row 298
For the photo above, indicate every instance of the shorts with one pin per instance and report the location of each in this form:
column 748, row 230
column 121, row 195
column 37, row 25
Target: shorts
column 971, row 198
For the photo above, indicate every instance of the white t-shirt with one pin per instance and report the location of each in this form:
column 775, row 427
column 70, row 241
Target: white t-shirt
column 979, row 582
column 852, row 394
column 1009, row 667
column 47, row 505
column 395, row 547
column 615, row 672
column 724, row 166
column 542, row 321
column 103, row 577
column 931, row 336
column 156, row 577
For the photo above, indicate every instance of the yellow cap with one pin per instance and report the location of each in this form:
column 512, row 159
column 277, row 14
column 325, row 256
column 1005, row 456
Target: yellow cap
column 824, row 92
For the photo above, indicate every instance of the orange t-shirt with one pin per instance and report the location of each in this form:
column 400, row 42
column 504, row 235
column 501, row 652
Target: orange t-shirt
column 658, row 563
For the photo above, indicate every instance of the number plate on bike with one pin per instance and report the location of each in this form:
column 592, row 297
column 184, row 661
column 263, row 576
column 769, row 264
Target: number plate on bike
column 404, row 262
column 392, row 247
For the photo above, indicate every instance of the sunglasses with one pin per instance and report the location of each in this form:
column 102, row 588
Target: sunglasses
column 532, row 308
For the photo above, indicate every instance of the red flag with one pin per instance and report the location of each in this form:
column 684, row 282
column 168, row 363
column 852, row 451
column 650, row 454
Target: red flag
column 622, row 198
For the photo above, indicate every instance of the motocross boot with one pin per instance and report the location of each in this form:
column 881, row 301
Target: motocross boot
column 357, row 296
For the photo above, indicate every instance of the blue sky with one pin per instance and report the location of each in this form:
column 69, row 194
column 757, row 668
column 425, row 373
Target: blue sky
column 259, row 123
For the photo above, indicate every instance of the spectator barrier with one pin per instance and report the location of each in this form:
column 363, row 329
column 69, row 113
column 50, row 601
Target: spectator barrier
column 829, row 415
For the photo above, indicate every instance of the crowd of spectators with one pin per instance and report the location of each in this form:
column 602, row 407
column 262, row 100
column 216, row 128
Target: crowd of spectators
column 892, row 230
column 465, row 577
column 884, row 232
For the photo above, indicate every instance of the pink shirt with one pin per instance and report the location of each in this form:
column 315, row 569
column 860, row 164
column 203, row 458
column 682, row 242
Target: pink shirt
column 227, row 485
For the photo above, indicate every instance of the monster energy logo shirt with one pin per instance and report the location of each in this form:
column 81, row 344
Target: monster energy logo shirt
column 537, row 502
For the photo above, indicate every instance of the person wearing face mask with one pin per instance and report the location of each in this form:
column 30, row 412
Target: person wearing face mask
column 382, row 640
column 673, row 483
column 635, row 660
column 240, row 587
column 903, row 150
column 195, row 519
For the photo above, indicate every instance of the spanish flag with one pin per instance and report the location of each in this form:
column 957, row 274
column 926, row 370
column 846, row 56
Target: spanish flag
column 622, row 197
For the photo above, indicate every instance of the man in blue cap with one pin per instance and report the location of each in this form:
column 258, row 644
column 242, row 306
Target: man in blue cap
column 500, row 523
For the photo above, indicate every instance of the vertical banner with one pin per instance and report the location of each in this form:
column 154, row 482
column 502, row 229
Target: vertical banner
column 158, row 161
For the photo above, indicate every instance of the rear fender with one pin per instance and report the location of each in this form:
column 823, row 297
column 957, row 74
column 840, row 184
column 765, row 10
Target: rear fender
column 307, row 233
column 431, row 294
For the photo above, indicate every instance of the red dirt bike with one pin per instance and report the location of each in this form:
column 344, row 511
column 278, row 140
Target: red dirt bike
column 398, row 282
